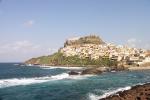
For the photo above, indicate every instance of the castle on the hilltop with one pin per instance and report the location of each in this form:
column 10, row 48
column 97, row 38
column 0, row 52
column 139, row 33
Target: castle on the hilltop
column 91, row 39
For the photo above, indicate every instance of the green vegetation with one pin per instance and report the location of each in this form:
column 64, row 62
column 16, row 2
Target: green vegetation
column 58, row 59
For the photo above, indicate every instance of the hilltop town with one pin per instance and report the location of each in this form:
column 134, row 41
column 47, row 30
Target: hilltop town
column 92, row 50
column 100, row 49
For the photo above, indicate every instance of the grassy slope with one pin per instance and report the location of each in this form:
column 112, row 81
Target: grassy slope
column 58, row 59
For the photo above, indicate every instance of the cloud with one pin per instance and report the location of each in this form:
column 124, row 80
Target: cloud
column 52, row 50
column 22, row 50
column 147, row 46
column 135, row 43
column 29, row 23
column 132, row 42
column 23, row 46
column 19, row 49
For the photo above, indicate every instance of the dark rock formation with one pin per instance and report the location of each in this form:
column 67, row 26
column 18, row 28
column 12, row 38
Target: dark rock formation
column 139, row 92
column 91, row 71
column 119, row 68
column 73, row 73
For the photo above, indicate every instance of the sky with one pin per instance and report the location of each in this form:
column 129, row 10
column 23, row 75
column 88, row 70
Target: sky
column 31, row 28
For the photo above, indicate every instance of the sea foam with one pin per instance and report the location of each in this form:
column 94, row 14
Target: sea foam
column 56, row 67
column 60, row 76
column 108, row 93
column 27, row 81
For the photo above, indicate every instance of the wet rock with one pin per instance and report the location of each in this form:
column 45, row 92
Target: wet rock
column 91, row 71
column 139, row 92
column 73, row 73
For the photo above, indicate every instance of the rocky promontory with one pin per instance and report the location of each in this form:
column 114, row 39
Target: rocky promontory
column 92, row 51
column 75, row 54
column 139, row 92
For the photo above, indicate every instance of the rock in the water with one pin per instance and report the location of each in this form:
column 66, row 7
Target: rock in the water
column 73, row 73
column 139, row 92
column 91, row 71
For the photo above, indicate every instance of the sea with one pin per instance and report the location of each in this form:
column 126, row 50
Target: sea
column 21, row 82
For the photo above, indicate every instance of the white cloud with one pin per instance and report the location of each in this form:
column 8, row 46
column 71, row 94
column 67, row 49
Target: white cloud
column 23, row 46
column 22, row 50
column 135, row 43
column 29, row 23
column 132, row 42
column 52, row 50
column 147, row 46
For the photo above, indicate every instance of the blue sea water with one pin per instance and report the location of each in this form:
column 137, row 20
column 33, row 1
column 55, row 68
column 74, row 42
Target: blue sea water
column 19, row 82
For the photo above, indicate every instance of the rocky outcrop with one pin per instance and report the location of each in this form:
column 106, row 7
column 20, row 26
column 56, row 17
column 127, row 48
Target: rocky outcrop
column 73, row 73
column 119, row 68
column 91, row 71
column 139, row 92
column 96, row 70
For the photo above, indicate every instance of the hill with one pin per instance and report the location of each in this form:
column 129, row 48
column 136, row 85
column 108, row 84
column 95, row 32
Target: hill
column 60, row 58
column 92, row 51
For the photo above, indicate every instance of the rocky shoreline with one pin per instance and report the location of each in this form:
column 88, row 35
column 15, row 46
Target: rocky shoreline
column 138, row 92
column 139, row 68
column 93, row 69
column 91, row 66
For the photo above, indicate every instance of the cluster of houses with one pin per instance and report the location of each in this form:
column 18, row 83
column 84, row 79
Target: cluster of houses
column 119, row 53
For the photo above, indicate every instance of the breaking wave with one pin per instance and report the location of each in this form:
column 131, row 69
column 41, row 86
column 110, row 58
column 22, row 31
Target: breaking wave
column 26, row 81
column 22, row 81
column 112, row 92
